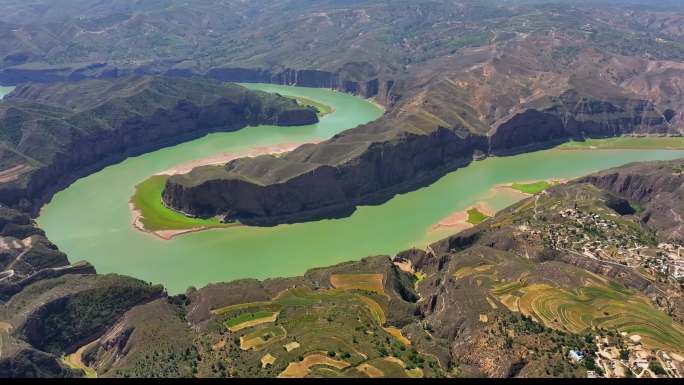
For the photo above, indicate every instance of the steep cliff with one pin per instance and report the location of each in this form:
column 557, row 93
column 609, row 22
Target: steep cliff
column 53, row 134
column 368, row 164
column 573, row 115
column 61, row 314
column 370, row 85
column 653, row 189
column 466, row 302
column 475, row 306
column 343, row 79
column 395, row 154
column 27, row 256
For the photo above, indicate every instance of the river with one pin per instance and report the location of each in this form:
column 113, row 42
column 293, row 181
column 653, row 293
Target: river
column 5, row 90
column 91, row 221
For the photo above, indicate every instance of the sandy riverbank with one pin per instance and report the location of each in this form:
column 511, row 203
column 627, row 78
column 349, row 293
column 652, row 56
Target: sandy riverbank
column 224, row 158
column 458, row 221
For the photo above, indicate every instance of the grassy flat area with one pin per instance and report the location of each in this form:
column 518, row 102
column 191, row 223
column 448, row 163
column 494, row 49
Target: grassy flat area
column 531, row 188
column 323, row 109
column 635, row 143
column 156, row 216
column 246, row 317
column 475, row 216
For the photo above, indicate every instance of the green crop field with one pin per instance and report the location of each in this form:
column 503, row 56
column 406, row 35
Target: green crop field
column 88, row 371
column 156, row 216
column 247, row 317
column 626, row 143
column 531, row 188
column 337, row 326
column 476, row 217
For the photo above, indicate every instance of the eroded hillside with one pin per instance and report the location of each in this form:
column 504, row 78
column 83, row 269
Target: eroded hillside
column 584, row 266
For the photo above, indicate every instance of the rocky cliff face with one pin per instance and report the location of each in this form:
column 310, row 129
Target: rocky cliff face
column 375, row 87
column 27, row 256
column 576, row 116
column 149, row 113
column 78, row 308
column 315, row 182
column 365, row 167
column 654, row 189
column 372, row 87
column 460, row 313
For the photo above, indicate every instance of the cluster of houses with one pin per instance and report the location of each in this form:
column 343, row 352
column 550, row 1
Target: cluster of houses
column 624, row 356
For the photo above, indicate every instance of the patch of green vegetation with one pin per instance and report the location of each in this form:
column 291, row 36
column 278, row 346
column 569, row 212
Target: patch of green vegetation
column 541, row 341
column 87, row 371
column 627, row 143
column 636, row 207
column 341, row 325
column 475, row 216
column 469, row 40
column 565, row 53
column 242, row 306
column 84, row 313
column 531, row 188
column 247, row 317
column 656, row 368
column 156, row 216
column 322, row 109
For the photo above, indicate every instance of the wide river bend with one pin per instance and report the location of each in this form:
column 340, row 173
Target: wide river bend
column 90, row 220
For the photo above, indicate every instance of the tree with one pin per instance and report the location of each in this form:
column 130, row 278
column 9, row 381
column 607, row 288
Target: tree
column 656, row 368
column 624, row 354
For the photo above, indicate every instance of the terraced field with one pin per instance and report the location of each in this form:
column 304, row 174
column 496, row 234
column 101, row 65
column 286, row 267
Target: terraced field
column 324, row 332
column 468, row 271
column 261, row 337
column 594, row 307
column 247, row 320
column 364, row 282
column 301, row 369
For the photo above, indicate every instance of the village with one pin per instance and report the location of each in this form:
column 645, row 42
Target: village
column 597, row 237
column 620, row 355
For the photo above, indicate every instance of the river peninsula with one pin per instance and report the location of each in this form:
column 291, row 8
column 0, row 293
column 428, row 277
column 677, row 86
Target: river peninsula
column 101, row 230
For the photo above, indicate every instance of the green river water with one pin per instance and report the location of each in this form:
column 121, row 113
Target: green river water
column 91, row 221
column 5, row 90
